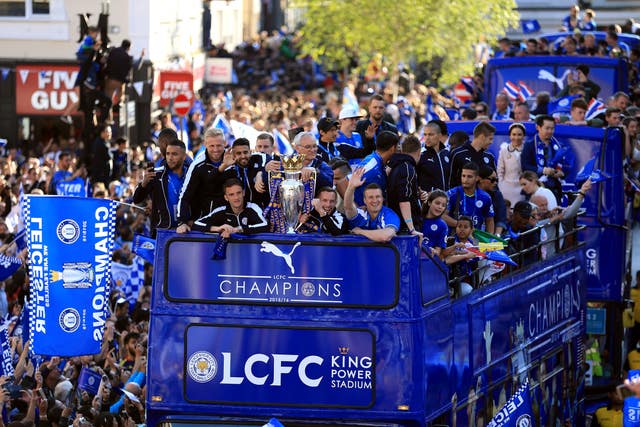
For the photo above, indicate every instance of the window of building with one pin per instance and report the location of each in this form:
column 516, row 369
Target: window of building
column 24, row 8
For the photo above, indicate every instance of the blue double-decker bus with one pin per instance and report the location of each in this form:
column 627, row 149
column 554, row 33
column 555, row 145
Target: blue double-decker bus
column 320, row 330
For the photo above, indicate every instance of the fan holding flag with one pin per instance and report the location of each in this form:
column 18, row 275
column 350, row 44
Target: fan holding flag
column 583, row 114
column 551, row 220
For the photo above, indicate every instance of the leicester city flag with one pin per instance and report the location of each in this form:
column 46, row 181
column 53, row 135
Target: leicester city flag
column 8, row 266
column 5, row 357
column 530, row 26
column 70, row 242
column 144, row 247
column 89, row 380
column 517, row 411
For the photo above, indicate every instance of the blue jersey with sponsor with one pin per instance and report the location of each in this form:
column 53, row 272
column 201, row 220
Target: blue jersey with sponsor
column 435, row 232
column 374, row 173
column 347, row 146
column 385, row 218
column 478, row 206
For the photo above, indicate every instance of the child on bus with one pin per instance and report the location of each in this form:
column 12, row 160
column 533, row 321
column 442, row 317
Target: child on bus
column 434, row 229
column 461, row 261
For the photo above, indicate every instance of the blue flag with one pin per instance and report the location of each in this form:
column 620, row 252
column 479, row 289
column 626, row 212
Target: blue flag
column 21, row 239
column 220, row 122
column 25, row 324
column 284, row 147
column 89, row 380
column 70, row 245
column 500, row 256
column 8, row 266
column 561, row 105
column 589, row 171
column 530, row 26
column 630, row 410
column 517, row 411
column 144, row 247
column 273, row 422
column 7, row 360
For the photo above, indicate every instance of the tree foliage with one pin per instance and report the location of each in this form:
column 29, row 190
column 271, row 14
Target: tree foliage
column 400, row 30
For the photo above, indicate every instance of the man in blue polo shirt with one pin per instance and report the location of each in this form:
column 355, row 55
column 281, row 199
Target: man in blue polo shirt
column 374, row 164
column 376, row 221
column 467, row 199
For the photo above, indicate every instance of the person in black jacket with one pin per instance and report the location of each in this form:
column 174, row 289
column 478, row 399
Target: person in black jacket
column 101, row 160
column 163, row 184
column 370, row 128
column 403, row 194
column 235, row 216
column 434, row 166
column 202, row 189
column 324, row 217
column 119, row 63
column 246, row 167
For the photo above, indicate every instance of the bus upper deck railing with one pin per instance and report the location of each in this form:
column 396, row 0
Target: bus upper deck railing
column 564, row 240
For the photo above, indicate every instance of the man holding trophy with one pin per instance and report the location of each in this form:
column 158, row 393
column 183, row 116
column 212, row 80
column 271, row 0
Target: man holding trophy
column 293, row 188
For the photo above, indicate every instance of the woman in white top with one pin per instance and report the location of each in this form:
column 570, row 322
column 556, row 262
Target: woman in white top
column 532, row 187
column 509, row 168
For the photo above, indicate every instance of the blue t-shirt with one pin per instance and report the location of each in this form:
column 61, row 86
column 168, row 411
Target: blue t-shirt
column 345, row 145
column 386, row 218
column 174, row 185
column 374, row 173
column 435, row 232
column 58, row 177
column 478, row 206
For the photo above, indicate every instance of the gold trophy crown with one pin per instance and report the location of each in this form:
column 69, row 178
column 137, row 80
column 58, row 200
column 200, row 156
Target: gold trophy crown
column 292, row 163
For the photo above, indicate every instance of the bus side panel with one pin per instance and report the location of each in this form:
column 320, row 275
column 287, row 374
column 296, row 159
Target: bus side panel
column 438, row 358
column 535, row 315
column 331, row 352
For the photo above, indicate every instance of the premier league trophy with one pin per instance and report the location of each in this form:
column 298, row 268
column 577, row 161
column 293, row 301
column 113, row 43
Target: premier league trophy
column 292, row 191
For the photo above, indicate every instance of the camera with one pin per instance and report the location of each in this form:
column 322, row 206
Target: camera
column 14, row 390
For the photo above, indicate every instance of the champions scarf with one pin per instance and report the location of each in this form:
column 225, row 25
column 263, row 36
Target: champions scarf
column 6, row 357
column 70, row 242
column 517, row 411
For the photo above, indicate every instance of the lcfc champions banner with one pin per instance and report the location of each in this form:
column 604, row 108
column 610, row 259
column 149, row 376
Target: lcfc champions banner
column 70, row 246
column 282, row 273
column 279, row 366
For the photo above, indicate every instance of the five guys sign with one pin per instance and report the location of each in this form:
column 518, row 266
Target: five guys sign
column 45, row 89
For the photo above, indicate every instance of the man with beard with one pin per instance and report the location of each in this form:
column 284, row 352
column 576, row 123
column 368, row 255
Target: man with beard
column 372, row 126
column 245, row 169
column 164, row 184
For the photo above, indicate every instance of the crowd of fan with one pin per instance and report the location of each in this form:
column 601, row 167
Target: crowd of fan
column 371, row 176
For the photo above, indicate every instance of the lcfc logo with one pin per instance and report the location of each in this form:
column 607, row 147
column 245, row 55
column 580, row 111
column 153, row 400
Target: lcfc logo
column 69, row 320
column 202, row 366
column 68, row 231
column 523, row 421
